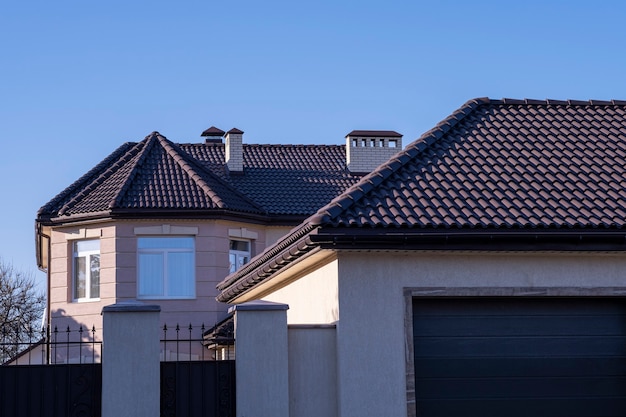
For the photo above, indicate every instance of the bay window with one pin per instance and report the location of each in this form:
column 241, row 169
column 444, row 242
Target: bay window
column 166, row 267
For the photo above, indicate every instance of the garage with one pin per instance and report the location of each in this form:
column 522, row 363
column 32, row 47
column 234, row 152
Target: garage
column 520, row 356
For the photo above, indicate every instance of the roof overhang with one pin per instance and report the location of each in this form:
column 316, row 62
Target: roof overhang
column 473, row 239
column 145, row 214
column 292, row 258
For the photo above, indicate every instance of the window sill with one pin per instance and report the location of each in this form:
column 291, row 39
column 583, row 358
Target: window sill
column 86, row 300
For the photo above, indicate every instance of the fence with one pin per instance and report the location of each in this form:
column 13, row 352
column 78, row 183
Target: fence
column 49, row 346
column 192, row 383
column 178, row 343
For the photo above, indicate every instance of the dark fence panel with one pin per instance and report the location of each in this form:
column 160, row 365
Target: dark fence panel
column 198, row 389
column 51, row 390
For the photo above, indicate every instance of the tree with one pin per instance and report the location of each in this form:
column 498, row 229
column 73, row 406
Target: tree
column 21, row 309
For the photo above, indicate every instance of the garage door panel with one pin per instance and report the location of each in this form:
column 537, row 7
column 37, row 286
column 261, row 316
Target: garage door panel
column 499, row 367
column 520, row 356
column 512, row 325
column 521, row 346
column 583, row 407
column 531, row 388
column 519, row 306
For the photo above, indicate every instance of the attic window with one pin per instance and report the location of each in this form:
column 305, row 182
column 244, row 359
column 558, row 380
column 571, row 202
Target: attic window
column 393, row 143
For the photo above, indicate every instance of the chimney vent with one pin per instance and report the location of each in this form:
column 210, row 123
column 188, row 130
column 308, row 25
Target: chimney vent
column 213, row 135
column 367, row 149
column 234, row 150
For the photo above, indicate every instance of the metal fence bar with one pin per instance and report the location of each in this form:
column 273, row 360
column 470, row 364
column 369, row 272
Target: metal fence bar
column 53, row 349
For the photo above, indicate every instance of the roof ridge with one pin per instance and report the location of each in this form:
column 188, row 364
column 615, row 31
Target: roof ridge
column 149, row 140
column 122, row 149
column 96, row 181
column 384, row 171
column 555, row 102
column 182, row 161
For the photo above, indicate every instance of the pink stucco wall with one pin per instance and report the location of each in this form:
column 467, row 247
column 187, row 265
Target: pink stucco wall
column 118, row 272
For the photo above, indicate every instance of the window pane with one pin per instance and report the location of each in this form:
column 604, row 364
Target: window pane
column 165, row 243
column 151, row 274
column 241, row 261
column 233, row 262
column 240, row 245
column 180, row 268
column 94, row 275
column 87, row 246
column 80, row 277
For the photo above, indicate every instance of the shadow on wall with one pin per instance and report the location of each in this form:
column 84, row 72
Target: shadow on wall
column 70, row 341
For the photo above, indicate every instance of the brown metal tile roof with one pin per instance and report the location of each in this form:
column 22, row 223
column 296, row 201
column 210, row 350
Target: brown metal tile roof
column 496, row 174
column 500, row 164
column 156, row 177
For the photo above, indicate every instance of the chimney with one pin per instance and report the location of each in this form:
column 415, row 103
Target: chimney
column 234, row 150
column 367, row 149
column 213, row 135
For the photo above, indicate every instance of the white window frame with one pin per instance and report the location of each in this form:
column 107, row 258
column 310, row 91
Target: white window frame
column 165, row 251
column 92, row 248
column 240, row 257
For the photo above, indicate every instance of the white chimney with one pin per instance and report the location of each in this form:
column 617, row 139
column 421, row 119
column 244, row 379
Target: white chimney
column 367, row 149
column 234, row 150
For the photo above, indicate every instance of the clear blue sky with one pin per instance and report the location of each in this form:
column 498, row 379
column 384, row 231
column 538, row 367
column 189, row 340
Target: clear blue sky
column 77, row 78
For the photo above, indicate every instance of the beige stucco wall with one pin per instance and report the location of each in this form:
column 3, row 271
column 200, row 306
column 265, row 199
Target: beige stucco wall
column 373, row 309
column 372, row 344
column 312, row 299
column 118, row 250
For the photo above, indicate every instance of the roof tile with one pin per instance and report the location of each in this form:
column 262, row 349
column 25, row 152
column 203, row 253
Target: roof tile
column 501, row 164
column 156, row 175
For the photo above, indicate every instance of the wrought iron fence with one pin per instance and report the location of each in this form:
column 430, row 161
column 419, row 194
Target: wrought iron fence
column 195, row 343
column 195, row 382
column 49, row 346
column 82, row 345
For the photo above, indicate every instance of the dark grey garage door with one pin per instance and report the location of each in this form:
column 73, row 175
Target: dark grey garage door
column 520, row 357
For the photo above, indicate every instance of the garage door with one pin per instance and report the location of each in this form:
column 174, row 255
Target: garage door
column 520, row 357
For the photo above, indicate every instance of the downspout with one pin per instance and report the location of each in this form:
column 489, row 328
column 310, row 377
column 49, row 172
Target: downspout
column 40, row 237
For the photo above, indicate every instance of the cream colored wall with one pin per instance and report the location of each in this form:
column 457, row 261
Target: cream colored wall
column 371, row 344
column 312, row 299
column 118, row 249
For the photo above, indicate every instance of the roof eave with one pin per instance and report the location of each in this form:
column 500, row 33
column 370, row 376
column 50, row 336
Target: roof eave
column 531, row 239
column 267, row 265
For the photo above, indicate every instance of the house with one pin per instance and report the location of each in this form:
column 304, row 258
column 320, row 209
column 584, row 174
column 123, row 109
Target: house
column 481, row 271
column 163, row 222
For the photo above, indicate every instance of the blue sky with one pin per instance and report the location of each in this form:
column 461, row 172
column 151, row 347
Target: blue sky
column 77, row 79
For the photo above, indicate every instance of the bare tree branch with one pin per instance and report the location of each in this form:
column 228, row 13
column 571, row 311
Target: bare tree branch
column 21, row 308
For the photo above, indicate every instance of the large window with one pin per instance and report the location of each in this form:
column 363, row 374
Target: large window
column 239, row 254
column 86, row 270
column 166, row 267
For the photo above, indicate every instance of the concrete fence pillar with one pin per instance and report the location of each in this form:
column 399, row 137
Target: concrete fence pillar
column 130, row 360
column 262, row 363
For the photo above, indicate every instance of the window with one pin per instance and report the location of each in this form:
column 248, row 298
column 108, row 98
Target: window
column 239, row 254
column 86, row 270
column 166, row 267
